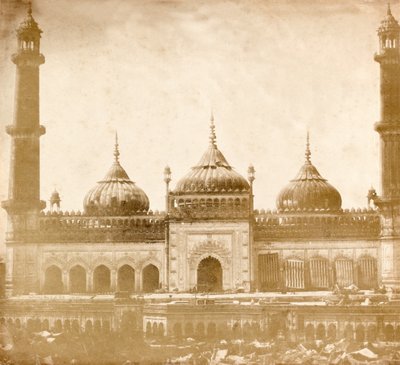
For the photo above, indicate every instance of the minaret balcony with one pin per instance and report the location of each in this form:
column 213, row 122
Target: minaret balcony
column 387, row 56
column 19, row 132
column 28, row 58
column 389, row 127
column 13, row 206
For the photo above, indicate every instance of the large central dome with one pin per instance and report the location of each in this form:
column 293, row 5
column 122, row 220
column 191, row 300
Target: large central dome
column 116, row 194
column 212, row 174
column 309, row 191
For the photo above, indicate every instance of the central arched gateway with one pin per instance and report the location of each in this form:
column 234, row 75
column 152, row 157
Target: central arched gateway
column 209, row 275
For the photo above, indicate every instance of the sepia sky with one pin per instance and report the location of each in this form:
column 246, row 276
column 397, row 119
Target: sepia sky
column 153, row 70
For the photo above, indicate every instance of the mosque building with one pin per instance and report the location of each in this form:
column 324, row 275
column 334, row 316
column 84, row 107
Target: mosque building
column 210, row 238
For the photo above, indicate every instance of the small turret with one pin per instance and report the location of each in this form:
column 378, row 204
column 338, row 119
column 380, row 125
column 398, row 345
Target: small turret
column 55, row 200
column 372, row 195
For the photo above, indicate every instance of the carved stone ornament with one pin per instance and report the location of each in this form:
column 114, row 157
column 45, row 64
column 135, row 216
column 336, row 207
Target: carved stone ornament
column 209, row 248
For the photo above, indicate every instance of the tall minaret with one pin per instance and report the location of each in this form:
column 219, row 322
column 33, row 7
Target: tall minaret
column 389, row 126
column 389, row 129
column 24, row 204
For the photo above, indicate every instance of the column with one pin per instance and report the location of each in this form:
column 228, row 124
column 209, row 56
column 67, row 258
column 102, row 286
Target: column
column 89, row 281
column 65, row 280
column 113, row 280
column 139, row 280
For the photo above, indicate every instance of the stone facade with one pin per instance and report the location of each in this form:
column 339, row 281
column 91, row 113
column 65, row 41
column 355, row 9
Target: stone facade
column 210, row 238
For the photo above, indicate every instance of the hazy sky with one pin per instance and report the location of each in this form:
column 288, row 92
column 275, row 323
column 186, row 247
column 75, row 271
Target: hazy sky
column 153, row 70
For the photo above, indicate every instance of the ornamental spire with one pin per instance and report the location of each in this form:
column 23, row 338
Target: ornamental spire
column 213, row 137
column 116, row 150
column 30, row 8
column 389, row 11
column 308, row 152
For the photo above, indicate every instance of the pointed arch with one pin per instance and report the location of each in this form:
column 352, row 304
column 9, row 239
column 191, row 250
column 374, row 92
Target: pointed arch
column 126, row 278
column 53, row 280
column 77, row 279
column 101, row 279
column 150, row 278
column 209, row 274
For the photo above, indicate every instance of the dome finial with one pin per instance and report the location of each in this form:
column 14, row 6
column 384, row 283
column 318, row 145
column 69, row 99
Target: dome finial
column 389, row 11
column 213, row 137
column 116, row 150
column 308, row 152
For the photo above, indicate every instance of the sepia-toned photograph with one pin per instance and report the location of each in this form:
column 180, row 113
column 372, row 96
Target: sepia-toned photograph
column 200, row 182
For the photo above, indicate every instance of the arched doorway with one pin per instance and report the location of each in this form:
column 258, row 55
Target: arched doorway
column 151, row 278
column 53, row 281
column 101, row 279
column 126, row 278
column 77, row 279
column 209, row 275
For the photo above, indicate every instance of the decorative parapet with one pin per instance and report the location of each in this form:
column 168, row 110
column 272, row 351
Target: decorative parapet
column 76, row 227
column 360, row 223
column 208, row 207
column 209, row 213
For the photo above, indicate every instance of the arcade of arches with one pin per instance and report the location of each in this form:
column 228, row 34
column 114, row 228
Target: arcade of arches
column 100, row 280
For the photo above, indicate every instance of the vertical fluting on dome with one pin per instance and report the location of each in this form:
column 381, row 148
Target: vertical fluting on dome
column 212, row 174
column 116, row 194
column 212, row 188
column 309, row 191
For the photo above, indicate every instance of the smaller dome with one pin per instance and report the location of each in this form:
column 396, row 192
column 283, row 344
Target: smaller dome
column 29, row 24
column 309, row 191
column 116, row 194
column 212, row 174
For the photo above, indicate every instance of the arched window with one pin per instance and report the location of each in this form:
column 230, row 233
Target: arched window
column 294, row 274
column 77, row 279
column 126, row 278
column 53, row 281
column 348, row 332
column 344, row 272
column 320, row 333
column 101, row 279
column 389, row 332
column 367, row 273
column 319, row 273
column 331, row 332
column 151, row 278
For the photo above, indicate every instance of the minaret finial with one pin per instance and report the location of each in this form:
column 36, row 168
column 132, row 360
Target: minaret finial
column 116, row 150
column 213, row 137
column 308, row 152
column 389, row 11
